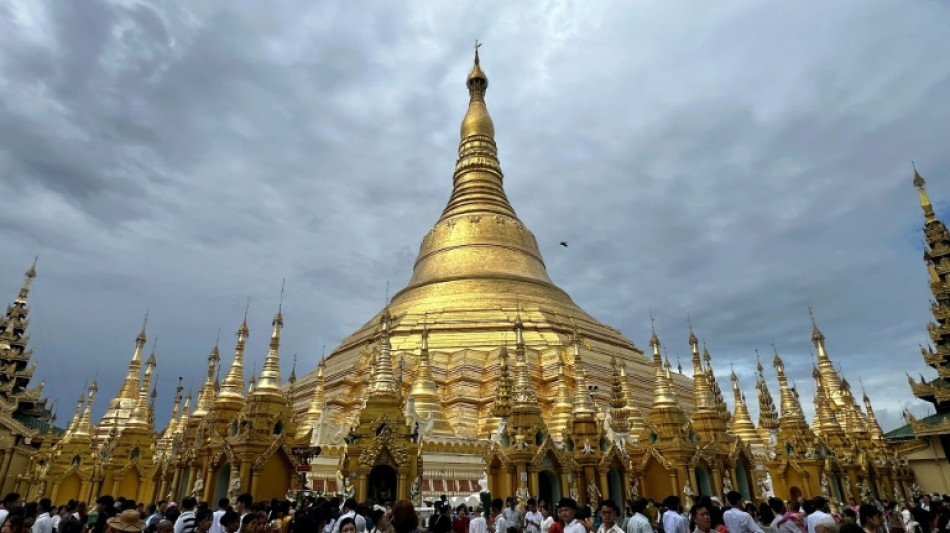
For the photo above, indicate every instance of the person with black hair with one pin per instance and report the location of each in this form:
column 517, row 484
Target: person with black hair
column 699, row 514
column 673, row 521
column 224, row 505
column 349, row 511
column 609, row 512
column 440, row 522
column 567, row 512
column 10, row 501
column 243, row 506
column 43, row 522
column 638, row 522
column 871, row 517
column 736, row 519
column 186, row 520
column 204, row 518
column 498, row 523
column 819, row 512
column 230, row 522
column 849, row 516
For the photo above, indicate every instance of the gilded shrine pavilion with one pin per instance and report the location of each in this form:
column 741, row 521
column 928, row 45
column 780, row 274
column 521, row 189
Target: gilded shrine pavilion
column 480, row 375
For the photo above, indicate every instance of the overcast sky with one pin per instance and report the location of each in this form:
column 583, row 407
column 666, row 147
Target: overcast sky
column 737, row 161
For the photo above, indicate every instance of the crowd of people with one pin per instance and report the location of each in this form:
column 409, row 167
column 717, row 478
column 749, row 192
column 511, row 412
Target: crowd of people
column 930, row 514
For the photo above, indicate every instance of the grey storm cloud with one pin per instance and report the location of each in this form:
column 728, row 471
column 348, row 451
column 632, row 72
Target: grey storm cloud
column 736, row 162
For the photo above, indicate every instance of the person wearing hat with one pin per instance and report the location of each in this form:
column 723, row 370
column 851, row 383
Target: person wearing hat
column 128, row 521
column 566, row 510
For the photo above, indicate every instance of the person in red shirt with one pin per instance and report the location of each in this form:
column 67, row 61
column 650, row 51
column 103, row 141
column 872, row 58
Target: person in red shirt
column 460, row 524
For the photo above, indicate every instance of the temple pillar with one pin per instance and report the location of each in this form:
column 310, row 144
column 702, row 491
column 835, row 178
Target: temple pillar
column 55, row 491
column 402, row 482
column 172, row 493
column 533, row 481
column 362, row 486
column 209, row 487
column 255, row 474
column 604, row 485
column 674, row 488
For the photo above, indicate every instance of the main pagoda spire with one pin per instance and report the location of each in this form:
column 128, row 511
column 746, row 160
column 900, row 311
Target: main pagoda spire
column 479, row 236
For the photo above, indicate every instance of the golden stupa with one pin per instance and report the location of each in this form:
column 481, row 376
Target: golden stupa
column 480, row 374
column 478, row 270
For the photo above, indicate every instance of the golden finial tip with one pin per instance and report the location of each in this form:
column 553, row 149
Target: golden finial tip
column 918, row 179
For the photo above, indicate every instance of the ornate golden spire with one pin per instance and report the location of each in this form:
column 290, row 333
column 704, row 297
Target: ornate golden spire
column 742, row 425
column 478, row 177
column 768, row 416
column 827, row 425
column 524, row 405
column 854, row 422
column 792, row 416
column 873, row 427
column 583, row 405
column 269, row 382
column 424, row 392
column 74, row 423
column 172, row 426
column 318, row 401
column 27, row 281
column 619, row 420
column 919, row 182
column 703, row 397
column 721, row 408
column 232, row 386
column 662, row 392
column 501, row 408
column 830, row 379
column 130, row 387
column 140, row 412
column 185, row 410
column 563, row 403
column 85, row 424
column 206, row 392
column 495, row 245
column 384, row 383
column 633, row 410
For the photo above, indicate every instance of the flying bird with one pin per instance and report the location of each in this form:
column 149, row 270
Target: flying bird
column 564, row 244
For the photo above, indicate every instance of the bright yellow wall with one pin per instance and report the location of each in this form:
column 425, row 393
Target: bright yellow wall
column 129, row 486
column 274, row 479
column 68, row 490
column 656, row 481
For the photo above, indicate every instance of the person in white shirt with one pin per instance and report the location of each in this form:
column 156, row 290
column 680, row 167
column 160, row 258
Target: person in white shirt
column 216, row 526
column 500, row 525
column 566, row 509
column 532, row 518
column 609, row 513
column 43, row 523
column 736, row 519
column 639, row 523
column 477, row 524
column 349, row 511
column 546, row 519
column 10, row 501
column 820, row 513
column 673, row 521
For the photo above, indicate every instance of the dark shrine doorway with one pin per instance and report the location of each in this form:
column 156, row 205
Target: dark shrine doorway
column 382, row 485
column 549, row 488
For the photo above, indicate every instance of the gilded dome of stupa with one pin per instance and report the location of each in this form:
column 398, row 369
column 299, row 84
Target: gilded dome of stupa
column 478, row 270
